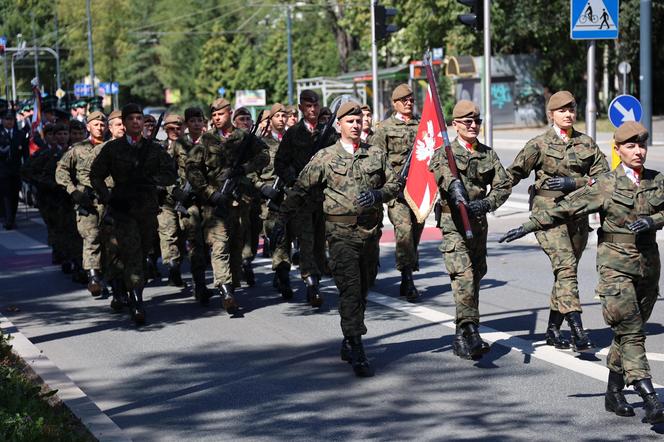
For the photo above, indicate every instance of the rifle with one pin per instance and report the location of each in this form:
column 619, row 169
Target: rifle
column 180, row 203
column 463, row 212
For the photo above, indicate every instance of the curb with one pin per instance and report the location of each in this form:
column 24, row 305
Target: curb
column 95, row 420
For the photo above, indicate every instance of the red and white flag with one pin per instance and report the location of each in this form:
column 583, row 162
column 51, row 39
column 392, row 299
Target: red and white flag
column 421, row 189
column 36, row 126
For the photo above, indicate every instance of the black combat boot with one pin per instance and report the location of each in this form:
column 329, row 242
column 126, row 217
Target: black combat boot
column 282, row 275
column 267, row 252
column 119, row 301
column 654, row 408
column 136, row 305
column 407, row 287
column 460, row 344
column 95, row 287
column 228, row 301
column 67, row 267
column 614, row 400
column 313, row 292
column 476, row 345
column 580, row 340
column 174, row 274
column 346, row 351
column 553, row 336
column 151, row 271
column 201, row 292
column 358, row 359
column 79, row 275
column 248, row 272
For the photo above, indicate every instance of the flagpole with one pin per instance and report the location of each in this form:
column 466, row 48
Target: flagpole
column 463, row 212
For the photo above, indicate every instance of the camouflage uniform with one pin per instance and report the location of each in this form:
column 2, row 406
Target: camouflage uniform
column 351, row 230
column 171, row 239
column 465, row 259
column 396, row 138
column 549, row 156
column 628, row 264
column 295, row 151
column 206, row 163
column 136, row 170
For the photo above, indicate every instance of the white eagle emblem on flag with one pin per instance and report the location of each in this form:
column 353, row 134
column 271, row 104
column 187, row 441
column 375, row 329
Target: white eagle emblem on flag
column 425, row 146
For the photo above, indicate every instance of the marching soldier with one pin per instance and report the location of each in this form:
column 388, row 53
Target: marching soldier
column 479, row 167
column 13, row 153
column 242, row 118
column 76, row 132
column 292, row 116
column 73, row 173
column 563, row 160
column 217, row 169
column 296, row 149
column 367, row 125
column 149, row 125
column 630, row 201
column 115, row 126
column 355, row 179
column 137, row 166
column 396, row 136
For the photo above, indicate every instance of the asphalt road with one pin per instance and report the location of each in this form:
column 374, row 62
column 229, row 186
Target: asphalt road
column 273, row 371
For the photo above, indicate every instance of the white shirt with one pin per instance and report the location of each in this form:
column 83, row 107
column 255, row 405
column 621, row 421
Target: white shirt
column 348, row 147
column 562, row 134
column 632, row 174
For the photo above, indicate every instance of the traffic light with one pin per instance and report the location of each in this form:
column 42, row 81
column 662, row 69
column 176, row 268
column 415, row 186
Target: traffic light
column 383, row 15
column 476, row 17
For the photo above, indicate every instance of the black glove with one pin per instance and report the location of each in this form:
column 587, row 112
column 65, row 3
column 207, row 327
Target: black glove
column 479, row 207
column 642, row 225
column 217, row 198
column 457, row 193
column 269, row 192
column 277, row 233
column 562, row 183
column 513, row 234
column 369, row 198
column 179, row 194
column 82, row 199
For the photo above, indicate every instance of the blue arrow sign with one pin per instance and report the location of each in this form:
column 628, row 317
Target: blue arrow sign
column 624, row 108
column 594, row 19
column 82, row 90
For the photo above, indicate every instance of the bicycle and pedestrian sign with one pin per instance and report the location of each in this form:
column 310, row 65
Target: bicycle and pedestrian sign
column 594, row 19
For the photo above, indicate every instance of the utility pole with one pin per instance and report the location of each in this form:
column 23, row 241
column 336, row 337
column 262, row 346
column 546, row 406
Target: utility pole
column 289, row 32
column 591, row 105
column 645, row 75
column 374, row 63
column 488, row 116
column 34, row 43
column 91, row 60
column 57, row 51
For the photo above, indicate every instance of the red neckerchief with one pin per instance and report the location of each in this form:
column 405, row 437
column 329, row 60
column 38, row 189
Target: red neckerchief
column 310, row 127
column 470, row 147
column 94, row 142
column 133, row 140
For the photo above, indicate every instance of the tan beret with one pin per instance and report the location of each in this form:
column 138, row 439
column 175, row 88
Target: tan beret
column 219, row 104
column 292, row 109
column 115, row 114
column 365, row 107
column 173, row 119
column 348, row 108
column 277, row 107
column 560, row 99
column 630, row 131
column 98, row 115
column 401, row 91
column 465, row 109
column 309, row 96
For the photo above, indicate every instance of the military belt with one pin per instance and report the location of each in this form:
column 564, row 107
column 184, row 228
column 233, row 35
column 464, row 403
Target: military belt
column 549, row 193
column 364, row 220
column 627, row 238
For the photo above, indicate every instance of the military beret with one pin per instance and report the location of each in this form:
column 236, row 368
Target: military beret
column 149, row 117
column 309, row 96
column 173, row 119
column 348, row 108
column 130, row 108
column 464, row 109
column 240, row 111
column 278, row 107
column 325, row 111
column 630, row 131
column 219, row 104
column 96, row 115
column 365, row 108
column 115, row 114
column 401, row 91
column 193, row 112
column 79, row 103
column 560, row 99
column 292, row 109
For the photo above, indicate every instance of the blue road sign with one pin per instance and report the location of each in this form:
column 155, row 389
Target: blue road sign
column 110, row 88
column 221, row 91
column 115, row 87
column 624, row 108
column 82, row 90
column 3, row 41
column 594, row 19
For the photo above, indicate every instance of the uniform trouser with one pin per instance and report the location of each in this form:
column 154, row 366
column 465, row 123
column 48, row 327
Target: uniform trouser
column 60, row 220
column 111, row 259
column 171, row 238
column 407, row 232
column 627, row 302
column 310, row 222
column 134, row 233
column 88, row 228
column 9, row 188
column 193, row 232
column 281, row 251
column 564, row 245
column 256, row 226
column 350, row 270
column 218, row 233
column 465, row 260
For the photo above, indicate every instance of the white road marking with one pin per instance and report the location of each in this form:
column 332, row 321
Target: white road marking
column 650, row 356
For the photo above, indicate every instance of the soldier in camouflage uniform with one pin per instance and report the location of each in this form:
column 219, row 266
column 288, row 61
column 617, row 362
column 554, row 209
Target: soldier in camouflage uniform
column 217, row 169
column 297, row 147
column 137, row 166
column 367, row 137
column 563, row 160
column 73, row 173
column 171, row 238
column 396, row 136
column 355, row 179
column 271, row 194
column 630, row 201
column 479, row 167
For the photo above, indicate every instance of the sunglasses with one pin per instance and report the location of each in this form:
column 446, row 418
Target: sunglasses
column 408, row 99
column 469, row 121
